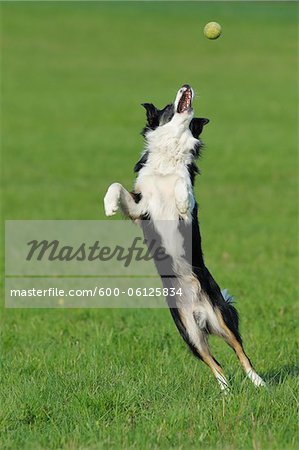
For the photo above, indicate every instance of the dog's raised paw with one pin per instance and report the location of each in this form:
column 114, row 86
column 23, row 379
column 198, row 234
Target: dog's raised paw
column 110, row 209
column 111, row 199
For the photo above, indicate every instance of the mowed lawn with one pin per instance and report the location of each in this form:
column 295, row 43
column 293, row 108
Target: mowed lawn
column 73, row 76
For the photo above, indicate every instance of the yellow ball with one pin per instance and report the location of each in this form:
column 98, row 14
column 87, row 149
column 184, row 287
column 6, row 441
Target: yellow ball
column 212, row 30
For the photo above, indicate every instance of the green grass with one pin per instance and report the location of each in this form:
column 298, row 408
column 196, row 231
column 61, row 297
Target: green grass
column 73, row 77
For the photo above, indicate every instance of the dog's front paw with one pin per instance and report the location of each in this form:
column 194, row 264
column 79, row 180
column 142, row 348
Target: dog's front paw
column 181, row 196
column 183, row 199
column 111, row 199
column 183, row 207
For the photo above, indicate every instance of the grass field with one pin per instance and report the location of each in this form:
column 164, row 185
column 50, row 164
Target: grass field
column 73, row 78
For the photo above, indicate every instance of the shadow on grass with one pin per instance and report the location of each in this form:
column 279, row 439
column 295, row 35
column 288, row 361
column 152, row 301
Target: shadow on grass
column 280, row 375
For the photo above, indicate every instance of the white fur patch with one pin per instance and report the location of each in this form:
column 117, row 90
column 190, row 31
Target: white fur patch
column 170, row 145
column 165, row 173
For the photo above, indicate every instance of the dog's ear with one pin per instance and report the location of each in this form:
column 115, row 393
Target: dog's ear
column 151, row 114
column 196, row 125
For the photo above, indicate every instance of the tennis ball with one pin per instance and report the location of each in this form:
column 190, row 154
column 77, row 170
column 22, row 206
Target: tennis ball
column 212, row 30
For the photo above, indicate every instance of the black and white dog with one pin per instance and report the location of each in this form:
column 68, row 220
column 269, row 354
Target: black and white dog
column 163, row 194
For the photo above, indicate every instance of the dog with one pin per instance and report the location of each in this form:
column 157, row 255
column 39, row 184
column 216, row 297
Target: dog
column 163, row 204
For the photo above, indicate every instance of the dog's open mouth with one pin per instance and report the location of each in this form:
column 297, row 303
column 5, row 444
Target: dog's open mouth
column 185, row 100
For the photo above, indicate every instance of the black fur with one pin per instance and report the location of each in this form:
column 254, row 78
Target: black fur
column 156, row 117
column 136, row 196
column 196, row 126
column 141, row 163
column 193, row 171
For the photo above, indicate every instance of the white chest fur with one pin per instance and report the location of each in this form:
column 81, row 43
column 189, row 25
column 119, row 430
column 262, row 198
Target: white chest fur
column 169, row 152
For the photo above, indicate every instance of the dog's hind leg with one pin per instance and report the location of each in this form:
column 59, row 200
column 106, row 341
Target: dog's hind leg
column 228, row 321
column 215, row 367
column 198, row 343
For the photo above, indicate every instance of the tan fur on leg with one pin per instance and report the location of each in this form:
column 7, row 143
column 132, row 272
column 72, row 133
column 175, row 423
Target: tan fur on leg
column 232, row 341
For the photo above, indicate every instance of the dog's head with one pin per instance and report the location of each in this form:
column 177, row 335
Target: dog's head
column 178, row 113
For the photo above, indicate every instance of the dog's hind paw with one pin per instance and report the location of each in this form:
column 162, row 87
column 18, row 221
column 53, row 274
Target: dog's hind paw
column 223, row 383
column 255, row 378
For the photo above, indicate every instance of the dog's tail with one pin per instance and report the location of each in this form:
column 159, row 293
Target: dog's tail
column 227, row 296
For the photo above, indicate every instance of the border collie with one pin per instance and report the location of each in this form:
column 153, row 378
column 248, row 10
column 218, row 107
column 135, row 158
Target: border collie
column 163, row 203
